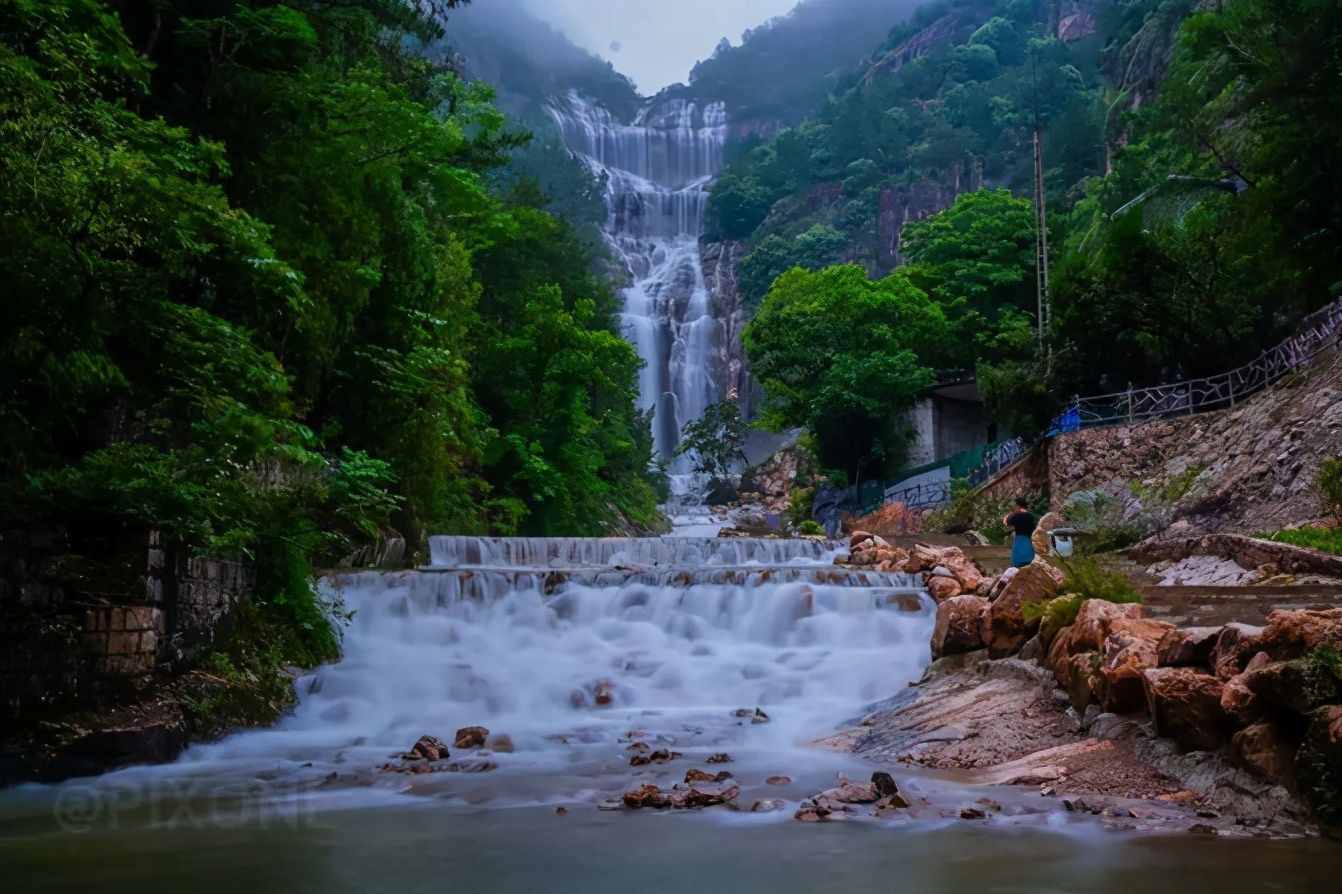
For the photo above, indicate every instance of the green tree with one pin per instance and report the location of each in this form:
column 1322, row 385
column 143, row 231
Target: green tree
column 818, row 247
column 838, row 353
column 716, row 439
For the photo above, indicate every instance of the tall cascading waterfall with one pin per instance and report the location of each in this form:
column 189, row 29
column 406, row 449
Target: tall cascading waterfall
column 658, row 171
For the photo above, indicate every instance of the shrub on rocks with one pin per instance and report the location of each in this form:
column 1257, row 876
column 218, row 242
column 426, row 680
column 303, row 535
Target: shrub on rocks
column 1318, row 764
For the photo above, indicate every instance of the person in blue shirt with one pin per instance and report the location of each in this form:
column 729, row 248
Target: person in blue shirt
column 1022, row 523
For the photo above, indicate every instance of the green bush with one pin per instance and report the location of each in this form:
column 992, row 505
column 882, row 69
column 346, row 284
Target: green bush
column 1328, row 540
column 799, row 505
column 810, row 528
column 1086, row 578
column 1329, row 484
column 1102, row 517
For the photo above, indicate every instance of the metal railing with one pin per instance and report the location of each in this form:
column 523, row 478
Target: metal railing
column 1316, row 333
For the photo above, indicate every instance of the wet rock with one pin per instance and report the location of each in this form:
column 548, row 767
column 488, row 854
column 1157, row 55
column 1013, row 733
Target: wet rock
column 809, row 812
column 962, row 568
column 646, row 795
column 779, row 780
column 697, row 775
column 1263, row 749
column 959, row 626
column 660, row 756
column 848, row 793
column 1187, row 647
column 1318, row 764
column 561, row 811
column 603, row 693
column 885, row 784
column 471, row 766
column 1004, row 627
column 643, row 748
column 1185, row 705
column 429, row 748
column 1235, row 645
column 943, row 588
column 858, row 538
column 972, row 813
column 755, row 716
column 471, row 737
column 905, row 602
column 704, row 795
column 767, row 805
column 721, row 757
column 503, row 744
column 891, row 802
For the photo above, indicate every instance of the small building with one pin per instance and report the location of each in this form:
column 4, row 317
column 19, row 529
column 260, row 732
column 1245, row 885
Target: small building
column 949, row 419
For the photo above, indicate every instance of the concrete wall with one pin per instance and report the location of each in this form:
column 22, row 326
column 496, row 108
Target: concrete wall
column 922, row 419
column 960, row 425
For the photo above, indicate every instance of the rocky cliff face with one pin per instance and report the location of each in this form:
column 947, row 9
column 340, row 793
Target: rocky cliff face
column 728, row 363
column 1247, row 470
column 916, row 201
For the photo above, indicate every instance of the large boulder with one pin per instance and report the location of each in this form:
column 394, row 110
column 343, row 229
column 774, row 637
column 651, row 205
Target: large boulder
column 1238, row 700
column 1040, row 539
column 1059, row 652
column 958, row 626
column 1096, row 620
column 962, row 568
column 471, row 737
column 943, row 588
column 1083, row 679
column 1263, row 749
column 1185, row 705
column 1128, row 651
column 1005, row 628
column 1291, row 634
column 1235, row 645
column 1187, row 647
column 1297, row 686
column 1318, row 764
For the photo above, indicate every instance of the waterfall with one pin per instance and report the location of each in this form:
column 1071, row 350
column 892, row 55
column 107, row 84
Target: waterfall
column 517, row 634
column 658, row 172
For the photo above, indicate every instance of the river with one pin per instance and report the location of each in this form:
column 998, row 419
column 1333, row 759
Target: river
column 575, row 649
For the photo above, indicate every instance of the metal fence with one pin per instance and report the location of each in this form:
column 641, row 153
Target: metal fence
column 1316, row 333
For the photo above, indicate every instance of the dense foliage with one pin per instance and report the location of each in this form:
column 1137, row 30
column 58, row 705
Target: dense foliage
column 715, row 440
column 268, row 293
column 836, row 353
column 1189, row 155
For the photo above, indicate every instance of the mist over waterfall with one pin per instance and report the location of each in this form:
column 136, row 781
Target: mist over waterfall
column 658, row 172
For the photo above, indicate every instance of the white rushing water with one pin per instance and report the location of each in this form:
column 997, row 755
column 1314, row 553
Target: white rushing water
column 517, row 635
column 658, row 171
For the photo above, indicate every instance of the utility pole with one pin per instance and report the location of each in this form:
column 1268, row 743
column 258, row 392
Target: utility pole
column 1041, row 240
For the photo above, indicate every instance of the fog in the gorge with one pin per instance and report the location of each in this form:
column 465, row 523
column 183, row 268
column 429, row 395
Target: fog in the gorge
column 655, row 42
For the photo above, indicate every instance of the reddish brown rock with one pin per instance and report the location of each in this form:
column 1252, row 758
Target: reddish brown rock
column 704, row 795
column 943, row 588
column 779, row 780
column 1129, row 650
column 1262, row 749
column 1005, row 629
column 857, row 538
column 1298, row 686
column 1237, row 699
column 1185, row 705
column 959, row 626
column 503, row 744
column 721, row 757
column 646, row 795
column 1095, row 621
column 697, row 775
column 1187, row 647
column 962, row 568
column 1040, row 538
column 471, row 737
column 660, row 756
column 1059, row 653
column 1083, row 679
column 429, row 748
column 1292, row 634
column 1235, row 645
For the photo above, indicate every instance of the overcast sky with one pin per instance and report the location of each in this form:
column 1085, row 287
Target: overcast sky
column 659, row 40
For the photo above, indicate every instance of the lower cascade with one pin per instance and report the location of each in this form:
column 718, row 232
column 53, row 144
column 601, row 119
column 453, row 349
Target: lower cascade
column 566, row 645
